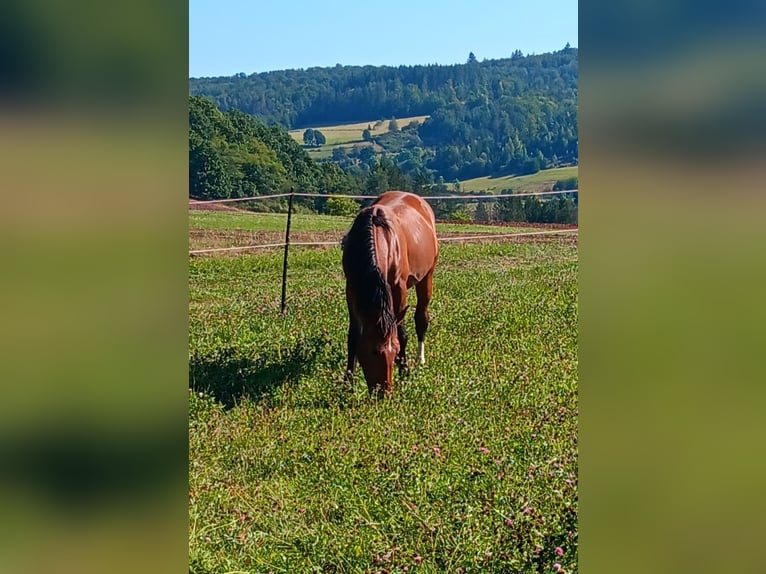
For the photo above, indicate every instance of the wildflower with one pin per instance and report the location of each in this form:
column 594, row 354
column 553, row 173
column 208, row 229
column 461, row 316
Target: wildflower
column 508, row 522
column 484, row 450
column 437, row 450
column 418, row 559
column 556, row 567
column 559, row 551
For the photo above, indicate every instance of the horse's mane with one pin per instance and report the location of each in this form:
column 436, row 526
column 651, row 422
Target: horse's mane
column 372, row 292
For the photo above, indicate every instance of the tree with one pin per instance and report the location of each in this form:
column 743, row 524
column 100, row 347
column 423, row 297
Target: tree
column 339, row 155
column 366, row 135
column 393, row 125
column 564, row 184
column 533, row 210
column 483, row 211
column 484, row 117
column 208, row 178
column 232, row 154
column 510, row 209
column 313, row 138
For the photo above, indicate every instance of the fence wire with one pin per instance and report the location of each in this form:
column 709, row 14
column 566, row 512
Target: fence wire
column 433, row 197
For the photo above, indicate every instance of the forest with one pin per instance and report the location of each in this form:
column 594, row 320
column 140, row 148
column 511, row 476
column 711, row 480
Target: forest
column 496, row 117
column 486, row 118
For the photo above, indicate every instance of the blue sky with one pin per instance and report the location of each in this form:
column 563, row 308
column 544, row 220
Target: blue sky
column 231, row 36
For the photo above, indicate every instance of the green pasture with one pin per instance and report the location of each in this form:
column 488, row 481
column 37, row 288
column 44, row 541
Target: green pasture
column 471, row 466
column 251, row 221
column 276, row 222
column 540, row 181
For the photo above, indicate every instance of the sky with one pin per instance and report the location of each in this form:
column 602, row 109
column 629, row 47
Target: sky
column 227, row 37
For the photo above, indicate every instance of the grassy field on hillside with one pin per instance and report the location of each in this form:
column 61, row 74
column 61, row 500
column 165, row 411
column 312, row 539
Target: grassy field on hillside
column 470, row 467
column 540, row 181
column 348, row 133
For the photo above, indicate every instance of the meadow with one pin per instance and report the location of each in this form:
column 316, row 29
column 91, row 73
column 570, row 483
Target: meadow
column 471, row 466
column 541, row 181
column 349, row 133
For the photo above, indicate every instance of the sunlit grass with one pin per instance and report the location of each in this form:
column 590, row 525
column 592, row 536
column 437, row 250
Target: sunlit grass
column 472, row 464
column 347, row 133
column 540, row 181
column 276, row 222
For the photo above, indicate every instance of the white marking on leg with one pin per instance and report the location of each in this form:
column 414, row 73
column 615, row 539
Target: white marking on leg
column 421, row 352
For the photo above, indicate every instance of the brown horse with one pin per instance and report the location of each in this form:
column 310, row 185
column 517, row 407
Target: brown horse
column 391, row 247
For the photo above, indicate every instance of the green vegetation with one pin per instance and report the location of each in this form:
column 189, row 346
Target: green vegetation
column 268, row 222
column 540, row 181
column 509, row 119
column 234, row 155
column 509, row 116
column 353, row 133
column 471, row 465
column 275, row 223
column 313, row 138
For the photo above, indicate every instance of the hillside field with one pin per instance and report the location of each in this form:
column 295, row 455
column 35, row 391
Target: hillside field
column 349, row 133
column 471, row 466
column 541, row 181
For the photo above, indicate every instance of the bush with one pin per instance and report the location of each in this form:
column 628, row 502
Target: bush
column 460, row 215
column 564, row 184
column 341, row 206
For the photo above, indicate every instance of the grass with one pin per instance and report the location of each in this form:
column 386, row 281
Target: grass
column 349, row 133
column 275, row 222
column 251, row 221
column 470, row 467
column 540, row 181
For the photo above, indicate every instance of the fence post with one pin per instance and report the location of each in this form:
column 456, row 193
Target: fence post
column 287, row 247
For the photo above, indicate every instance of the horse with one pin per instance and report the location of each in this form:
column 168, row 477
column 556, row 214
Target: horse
column 390, row 248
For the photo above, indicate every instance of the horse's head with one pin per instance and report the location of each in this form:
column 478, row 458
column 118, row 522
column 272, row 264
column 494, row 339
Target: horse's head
column 377, row 353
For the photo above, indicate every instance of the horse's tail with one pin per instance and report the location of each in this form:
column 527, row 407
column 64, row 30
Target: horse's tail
column 372, row 292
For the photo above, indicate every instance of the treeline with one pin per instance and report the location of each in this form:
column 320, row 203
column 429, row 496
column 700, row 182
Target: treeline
column 512, row 115
column 533, row 209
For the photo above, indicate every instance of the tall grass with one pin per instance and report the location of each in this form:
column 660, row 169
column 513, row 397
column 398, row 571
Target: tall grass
column 470, row 467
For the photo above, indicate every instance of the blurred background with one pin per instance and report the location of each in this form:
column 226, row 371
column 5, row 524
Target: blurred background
column 93, row 429
column 672, row 98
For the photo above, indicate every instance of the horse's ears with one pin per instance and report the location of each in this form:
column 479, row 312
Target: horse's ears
column 400, row 315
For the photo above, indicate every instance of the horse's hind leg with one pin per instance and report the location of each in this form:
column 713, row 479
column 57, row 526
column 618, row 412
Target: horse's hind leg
column 423, row 290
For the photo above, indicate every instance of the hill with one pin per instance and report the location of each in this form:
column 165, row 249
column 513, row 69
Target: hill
column 499, row 117
column 231, row 154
